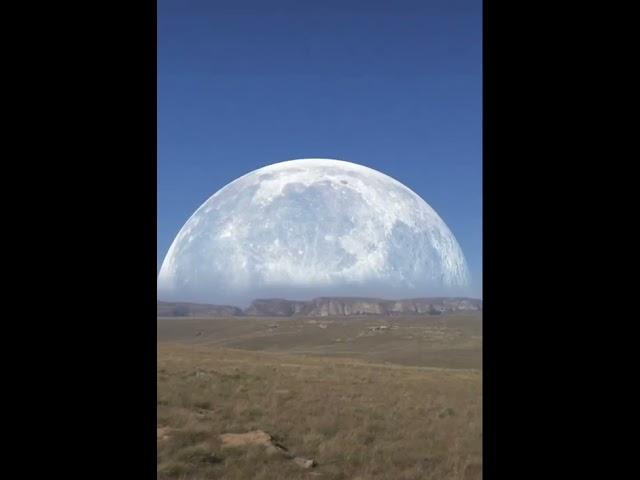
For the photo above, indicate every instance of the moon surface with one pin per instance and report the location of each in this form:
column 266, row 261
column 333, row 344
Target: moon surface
column 317, row 226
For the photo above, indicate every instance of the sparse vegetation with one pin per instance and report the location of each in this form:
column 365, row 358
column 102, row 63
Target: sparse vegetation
column 355, row 415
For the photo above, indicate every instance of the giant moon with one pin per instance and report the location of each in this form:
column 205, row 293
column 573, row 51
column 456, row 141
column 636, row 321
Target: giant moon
column 312, row 227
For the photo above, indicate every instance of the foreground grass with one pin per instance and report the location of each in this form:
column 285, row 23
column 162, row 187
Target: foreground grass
column 357, row 420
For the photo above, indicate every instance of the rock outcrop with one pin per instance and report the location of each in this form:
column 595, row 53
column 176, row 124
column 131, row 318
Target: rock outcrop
column 259, row 437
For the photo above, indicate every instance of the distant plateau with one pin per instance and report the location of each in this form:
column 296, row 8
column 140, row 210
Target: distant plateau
column 324, row 307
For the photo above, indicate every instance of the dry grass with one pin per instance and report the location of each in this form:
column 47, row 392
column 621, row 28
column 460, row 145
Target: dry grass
column 358, row 420
column 451, row 341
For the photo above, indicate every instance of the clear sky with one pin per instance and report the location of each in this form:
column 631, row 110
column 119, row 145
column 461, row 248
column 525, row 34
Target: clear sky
column 394, row 85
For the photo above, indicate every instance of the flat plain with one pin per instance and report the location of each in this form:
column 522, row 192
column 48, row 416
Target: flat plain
column 367, row 397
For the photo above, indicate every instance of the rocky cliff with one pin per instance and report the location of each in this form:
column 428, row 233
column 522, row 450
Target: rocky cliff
column 325, row 307
column 347, row 306
column 275, row 307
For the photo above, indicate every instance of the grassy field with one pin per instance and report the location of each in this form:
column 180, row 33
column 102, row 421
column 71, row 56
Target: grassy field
column 399, row 402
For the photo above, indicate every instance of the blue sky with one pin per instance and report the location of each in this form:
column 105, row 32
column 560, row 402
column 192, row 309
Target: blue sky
column 395, row 86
